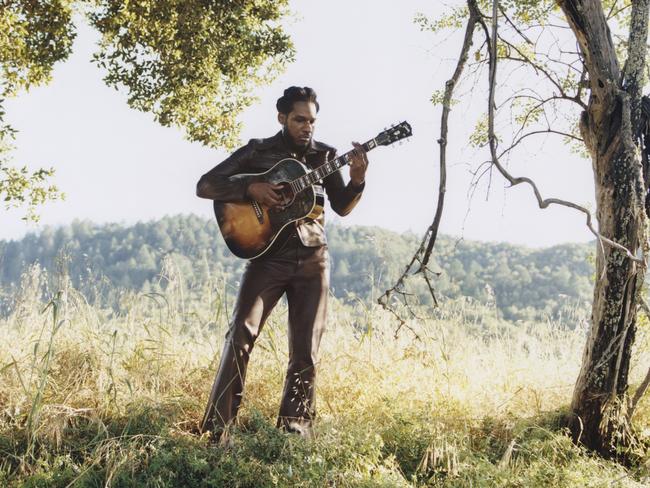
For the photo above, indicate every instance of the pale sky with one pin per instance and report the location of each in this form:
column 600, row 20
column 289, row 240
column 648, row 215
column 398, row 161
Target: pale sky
column 371, row 67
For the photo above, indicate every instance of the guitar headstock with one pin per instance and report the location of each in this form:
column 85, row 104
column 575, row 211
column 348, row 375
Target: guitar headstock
column 394, row 134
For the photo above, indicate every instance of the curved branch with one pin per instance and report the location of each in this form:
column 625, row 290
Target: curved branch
column 537, row 67
column 541, row 104
column 536, row 132
column 538, row 98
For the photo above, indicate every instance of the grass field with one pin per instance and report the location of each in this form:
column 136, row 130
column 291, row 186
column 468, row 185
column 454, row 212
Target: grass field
column 92, row 397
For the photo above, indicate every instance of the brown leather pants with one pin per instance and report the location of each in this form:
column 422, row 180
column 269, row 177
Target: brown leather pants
column 303, row 274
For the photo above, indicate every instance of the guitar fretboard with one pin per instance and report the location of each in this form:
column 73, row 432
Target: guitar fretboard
column 326, row 169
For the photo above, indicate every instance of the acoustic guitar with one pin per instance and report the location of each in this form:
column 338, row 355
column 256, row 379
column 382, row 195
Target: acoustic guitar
column 251, row 229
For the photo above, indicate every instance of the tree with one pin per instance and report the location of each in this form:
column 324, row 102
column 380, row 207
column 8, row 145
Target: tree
column 586, row 88
column 193, row 64
column 611, row 127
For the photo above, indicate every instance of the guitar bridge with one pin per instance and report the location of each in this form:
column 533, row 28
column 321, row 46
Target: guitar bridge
column 258, row 211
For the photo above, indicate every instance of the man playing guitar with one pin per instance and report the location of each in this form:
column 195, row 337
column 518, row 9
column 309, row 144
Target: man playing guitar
column 298, row 265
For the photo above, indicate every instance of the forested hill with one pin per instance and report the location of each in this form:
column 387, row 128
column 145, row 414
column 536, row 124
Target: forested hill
column 522, row 283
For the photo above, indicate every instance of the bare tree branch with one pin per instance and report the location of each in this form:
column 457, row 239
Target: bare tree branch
column 514, row 26
column 613, row 13
column 444, row 127
column 536, row 66
column 530, row 112
column 536, row 132
column 569, row 65
column 423, row 254
column 398, row 288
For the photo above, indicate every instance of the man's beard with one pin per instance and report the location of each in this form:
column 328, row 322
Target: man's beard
column 295, row 145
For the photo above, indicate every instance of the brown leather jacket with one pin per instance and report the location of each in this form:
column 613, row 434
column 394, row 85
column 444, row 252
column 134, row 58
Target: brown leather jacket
column 258, row 156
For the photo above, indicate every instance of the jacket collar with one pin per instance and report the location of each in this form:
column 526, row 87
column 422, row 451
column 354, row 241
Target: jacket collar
column 279, row 141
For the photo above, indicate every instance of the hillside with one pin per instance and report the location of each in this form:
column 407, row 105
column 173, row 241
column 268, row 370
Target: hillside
column 523, row 283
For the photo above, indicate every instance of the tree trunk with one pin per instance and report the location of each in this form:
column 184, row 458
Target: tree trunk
column 600, row 396
column 609, row 126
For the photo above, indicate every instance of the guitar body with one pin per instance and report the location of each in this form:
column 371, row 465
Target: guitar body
column 251, row 229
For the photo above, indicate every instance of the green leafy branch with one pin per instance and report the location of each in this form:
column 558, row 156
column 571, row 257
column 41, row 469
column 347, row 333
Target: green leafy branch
column 21, row 187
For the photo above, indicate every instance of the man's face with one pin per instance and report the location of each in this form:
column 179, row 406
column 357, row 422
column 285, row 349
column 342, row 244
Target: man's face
column 299, row 124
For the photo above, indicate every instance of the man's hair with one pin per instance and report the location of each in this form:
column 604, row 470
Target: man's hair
column 295, row 94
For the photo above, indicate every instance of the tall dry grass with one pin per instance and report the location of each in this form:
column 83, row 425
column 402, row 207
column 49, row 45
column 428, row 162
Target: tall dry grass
column 95, row 397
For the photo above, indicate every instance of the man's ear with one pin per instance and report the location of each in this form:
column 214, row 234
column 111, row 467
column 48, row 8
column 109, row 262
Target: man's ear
column 282, row 118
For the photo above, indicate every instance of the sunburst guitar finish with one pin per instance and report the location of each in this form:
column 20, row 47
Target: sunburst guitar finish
column 251, row 229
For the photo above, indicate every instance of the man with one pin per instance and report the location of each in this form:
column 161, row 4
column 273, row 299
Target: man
column 300, row 268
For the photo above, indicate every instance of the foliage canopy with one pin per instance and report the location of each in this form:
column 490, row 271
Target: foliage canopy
column 192, row 63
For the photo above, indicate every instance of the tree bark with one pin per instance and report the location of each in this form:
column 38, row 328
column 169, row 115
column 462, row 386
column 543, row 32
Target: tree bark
column 608, row 126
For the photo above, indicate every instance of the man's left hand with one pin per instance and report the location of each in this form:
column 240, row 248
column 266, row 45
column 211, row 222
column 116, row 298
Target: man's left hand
column 358, row 165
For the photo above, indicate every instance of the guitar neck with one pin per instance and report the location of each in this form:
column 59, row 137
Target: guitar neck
column 328, row 168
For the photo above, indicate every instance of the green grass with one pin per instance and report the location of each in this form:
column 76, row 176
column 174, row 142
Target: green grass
column 91, row 398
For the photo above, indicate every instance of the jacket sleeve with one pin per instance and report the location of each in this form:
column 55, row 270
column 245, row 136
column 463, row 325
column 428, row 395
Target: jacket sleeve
column 343, row 198
column 220, row 183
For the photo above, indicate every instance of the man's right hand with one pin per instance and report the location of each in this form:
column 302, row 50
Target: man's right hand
column 265, row 193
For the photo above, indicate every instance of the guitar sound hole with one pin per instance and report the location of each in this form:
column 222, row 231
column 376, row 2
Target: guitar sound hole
column 287, row 196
